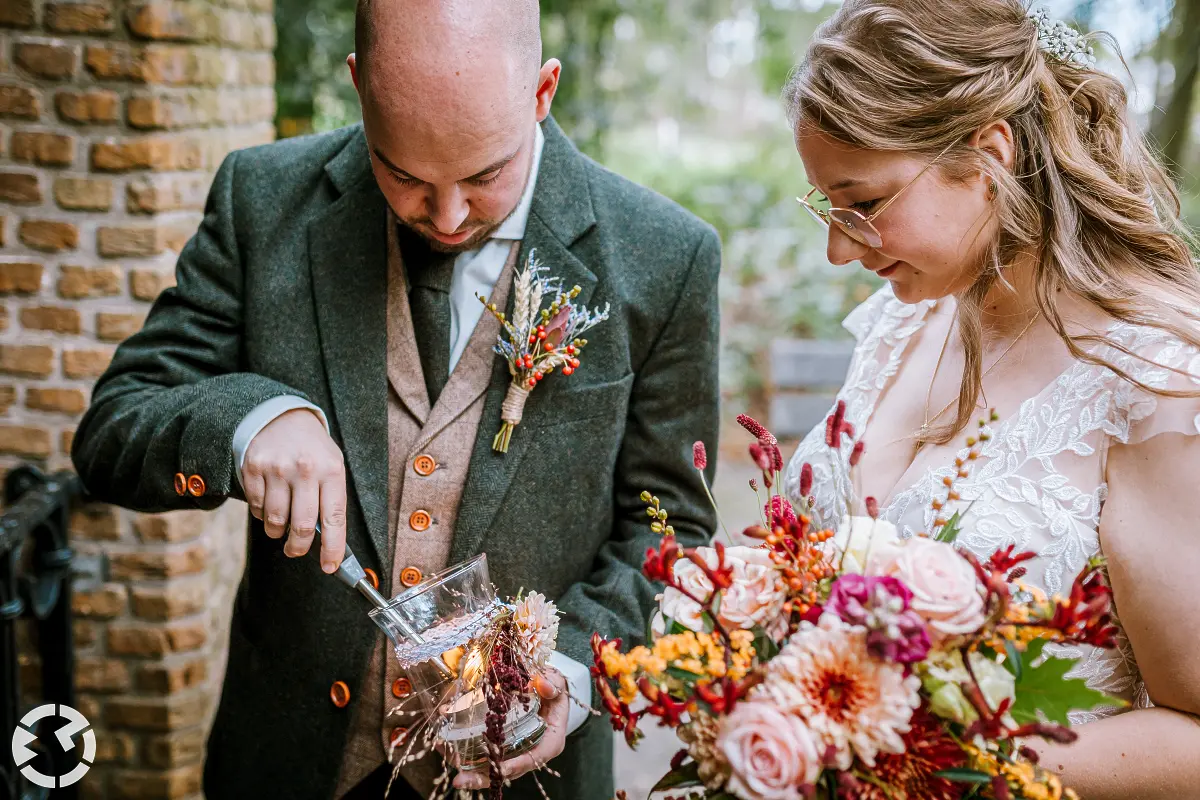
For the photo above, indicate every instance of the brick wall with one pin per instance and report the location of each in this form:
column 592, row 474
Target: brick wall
column 113, row 116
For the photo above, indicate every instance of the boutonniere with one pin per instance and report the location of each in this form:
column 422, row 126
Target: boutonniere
column 538, row 340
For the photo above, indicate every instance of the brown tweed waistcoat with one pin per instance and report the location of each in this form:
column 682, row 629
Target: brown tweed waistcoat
column 446, row 434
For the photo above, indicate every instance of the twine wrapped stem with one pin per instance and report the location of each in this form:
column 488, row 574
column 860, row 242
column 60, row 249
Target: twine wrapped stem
column 510, row 413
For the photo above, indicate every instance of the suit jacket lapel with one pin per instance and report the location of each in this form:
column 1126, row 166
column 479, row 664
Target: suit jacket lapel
column 561, row 213
column 404, row 362
column 348, row 258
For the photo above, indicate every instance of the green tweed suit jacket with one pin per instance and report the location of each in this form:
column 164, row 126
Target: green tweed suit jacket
column 282, row 291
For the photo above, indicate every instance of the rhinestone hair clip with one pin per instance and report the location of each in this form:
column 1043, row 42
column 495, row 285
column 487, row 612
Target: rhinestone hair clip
column 1062, row 41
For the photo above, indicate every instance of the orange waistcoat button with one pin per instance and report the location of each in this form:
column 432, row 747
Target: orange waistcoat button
column 424, row 465
column 410, row 576
column 339, row 693
column 195, row 486
column 420, row 520
column 402, row 687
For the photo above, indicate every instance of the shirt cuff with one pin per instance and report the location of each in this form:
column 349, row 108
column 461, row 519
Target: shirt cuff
column 579, row 683
column 262, row 415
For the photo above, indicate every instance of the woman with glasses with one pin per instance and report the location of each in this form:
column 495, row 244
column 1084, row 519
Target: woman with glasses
column 973, row 156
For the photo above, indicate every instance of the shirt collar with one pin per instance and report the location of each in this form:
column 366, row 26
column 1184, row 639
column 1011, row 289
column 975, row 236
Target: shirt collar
column 513, row 228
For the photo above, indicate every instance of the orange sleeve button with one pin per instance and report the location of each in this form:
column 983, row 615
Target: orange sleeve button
column 339, row 693
column 372, row 577
column 424, row 465
column 420, row 520
column 402, row 687
column 195, row 486
column 410, row 576
column 181, row 484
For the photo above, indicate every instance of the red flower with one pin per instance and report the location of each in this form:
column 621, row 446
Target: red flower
column 836, row 426
column 756, row 429
column 857, row 453
column 662, row 705
column 806, row 480
column 1004, row 560
column 761, row 457
column 658, row 563
column 1086, row 616
column 721, row 577
column 927, row 749
column 779, row 512
column 699, row 456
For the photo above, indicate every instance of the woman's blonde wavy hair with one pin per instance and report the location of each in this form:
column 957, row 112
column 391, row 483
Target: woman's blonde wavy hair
column 1085, row 196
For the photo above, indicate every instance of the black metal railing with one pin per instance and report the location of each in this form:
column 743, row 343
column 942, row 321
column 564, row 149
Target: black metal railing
column 35, row 583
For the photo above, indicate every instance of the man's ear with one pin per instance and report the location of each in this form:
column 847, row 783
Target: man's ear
column 547, row 86
column 352, row 63
column 996, row 139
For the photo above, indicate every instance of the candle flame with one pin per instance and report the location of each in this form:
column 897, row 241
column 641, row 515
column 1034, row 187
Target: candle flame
column 472, row 669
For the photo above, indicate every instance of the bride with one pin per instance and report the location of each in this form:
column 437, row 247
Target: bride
column 975, row 158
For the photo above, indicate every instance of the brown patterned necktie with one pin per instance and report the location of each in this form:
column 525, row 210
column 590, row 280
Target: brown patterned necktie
column 429, row 273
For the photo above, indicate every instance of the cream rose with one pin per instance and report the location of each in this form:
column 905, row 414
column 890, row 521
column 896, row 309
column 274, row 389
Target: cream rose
column 755, row 597
column 946, row 591
column 944, row 676
column 771, row 755
column 858, row 538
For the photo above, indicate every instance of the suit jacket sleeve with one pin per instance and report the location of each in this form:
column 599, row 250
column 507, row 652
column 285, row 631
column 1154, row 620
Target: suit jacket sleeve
column 674, row 402
column 173, row 395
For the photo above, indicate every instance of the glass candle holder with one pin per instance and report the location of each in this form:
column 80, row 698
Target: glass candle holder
column 432, row 627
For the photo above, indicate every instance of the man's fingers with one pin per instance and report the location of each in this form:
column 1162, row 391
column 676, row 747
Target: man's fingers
column 255, row 489
column 277, row 506
column 305, row 503
column 333, row 522
column 545, row 688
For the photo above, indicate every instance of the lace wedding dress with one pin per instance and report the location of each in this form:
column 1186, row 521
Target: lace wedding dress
column 1039, row 481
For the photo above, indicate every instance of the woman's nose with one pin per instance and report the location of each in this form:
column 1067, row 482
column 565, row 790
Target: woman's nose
column 840, row 249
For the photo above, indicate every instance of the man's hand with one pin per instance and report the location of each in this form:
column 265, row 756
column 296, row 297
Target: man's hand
column 552, row 688
column 294, row 475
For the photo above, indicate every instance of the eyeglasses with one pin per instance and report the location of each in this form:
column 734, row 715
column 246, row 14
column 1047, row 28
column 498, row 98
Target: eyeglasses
column 855, row 224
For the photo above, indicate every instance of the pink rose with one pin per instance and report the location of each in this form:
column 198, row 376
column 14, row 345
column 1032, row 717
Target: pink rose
column 771, row 755
column 945, row 591
column 755, row 597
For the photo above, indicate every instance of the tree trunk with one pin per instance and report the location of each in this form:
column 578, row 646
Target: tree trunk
column 1171, row 127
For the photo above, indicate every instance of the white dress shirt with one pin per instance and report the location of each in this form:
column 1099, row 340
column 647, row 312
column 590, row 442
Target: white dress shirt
column 475, row 271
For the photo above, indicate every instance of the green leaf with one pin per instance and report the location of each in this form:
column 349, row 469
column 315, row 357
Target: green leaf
column 1013, row 661
column 964, row 775
column 1046, row 689
column 676, row 628
column 764, row 646
column 686, row 775
column 949, row 532
column 683, row 674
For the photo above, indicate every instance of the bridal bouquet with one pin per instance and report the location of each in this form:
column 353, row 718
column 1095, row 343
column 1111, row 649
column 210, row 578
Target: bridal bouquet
column 851, row 663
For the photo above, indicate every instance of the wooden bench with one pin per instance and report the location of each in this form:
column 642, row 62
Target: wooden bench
column 805, row 375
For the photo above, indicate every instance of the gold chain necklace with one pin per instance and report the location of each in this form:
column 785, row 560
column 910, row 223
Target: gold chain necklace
column 925, row 426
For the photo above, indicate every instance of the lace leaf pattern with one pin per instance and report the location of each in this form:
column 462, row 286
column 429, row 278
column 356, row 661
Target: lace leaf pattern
column 1039, row 480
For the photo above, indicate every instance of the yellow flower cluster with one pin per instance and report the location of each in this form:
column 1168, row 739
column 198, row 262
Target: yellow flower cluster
column 699, row 653
column 1026, row 780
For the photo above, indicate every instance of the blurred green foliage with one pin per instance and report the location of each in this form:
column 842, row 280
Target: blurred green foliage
column 679, row 95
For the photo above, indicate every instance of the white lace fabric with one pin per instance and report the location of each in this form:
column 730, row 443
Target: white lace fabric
column 1039, row 482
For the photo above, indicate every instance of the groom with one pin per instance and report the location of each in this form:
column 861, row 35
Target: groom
column 323, row 357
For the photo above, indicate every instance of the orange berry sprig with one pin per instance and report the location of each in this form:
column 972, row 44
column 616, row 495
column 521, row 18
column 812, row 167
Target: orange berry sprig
column 962, row 468
column 536, row 340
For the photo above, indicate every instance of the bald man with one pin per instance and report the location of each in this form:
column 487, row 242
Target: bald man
column 324, row 358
